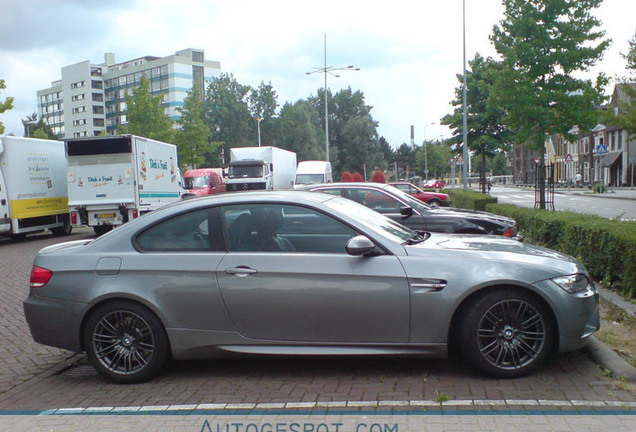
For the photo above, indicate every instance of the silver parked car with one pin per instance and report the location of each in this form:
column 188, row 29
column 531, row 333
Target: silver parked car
column 303, row 273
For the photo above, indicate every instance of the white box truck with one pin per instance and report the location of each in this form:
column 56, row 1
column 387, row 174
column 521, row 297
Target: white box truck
column 253, row 168
column 114, row 179
column 32, row 187
column 312, row 172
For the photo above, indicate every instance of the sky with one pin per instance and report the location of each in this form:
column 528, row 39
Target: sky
column 408, row 52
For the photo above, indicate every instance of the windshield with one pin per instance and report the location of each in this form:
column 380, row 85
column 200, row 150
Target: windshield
column 243, row 171
column 196, row 182
column 408, row 199
column 373, row 220
column 310, row 178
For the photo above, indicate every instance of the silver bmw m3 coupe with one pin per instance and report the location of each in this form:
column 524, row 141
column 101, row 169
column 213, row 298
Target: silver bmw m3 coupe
column 294, row 272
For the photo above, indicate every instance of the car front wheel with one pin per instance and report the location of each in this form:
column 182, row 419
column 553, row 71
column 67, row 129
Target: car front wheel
column 125, row 342
column 506, row 333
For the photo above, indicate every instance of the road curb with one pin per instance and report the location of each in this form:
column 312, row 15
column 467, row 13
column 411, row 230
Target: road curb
column 601, row 353
column 609, row 360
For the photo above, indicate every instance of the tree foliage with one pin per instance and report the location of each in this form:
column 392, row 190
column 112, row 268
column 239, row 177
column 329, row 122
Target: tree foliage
column 300, row 132
column 544, row 43
column 437, row 157
column 146, row 115
column 486, row 132
column 192, row 137
column 623, row 113
column 228, row 112
column 6, row 105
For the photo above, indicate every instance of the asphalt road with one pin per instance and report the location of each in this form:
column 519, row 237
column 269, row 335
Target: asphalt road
column 620, row 205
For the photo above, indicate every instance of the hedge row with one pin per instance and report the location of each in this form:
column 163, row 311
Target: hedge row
column 469, row 199
column 606, row 247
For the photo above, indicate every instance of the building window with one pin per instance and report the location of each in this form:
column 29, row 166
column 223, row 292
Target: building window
column 197, row 56
column 97, row 84
column 78, row 97
column 78, row 84
column 98, row 109
column 98, row 122
column 98, row 97
column 620, row 140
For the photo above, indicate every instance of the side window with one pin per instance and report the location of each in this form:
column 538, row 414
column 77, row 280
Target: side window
column 381, row 202
column 198, row 230
column 403, row 187
column 283, row 228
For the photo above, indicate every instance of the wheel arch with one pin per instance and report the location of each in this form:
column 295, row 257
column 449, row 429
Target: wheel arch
column 124, row 298
column 473, row 296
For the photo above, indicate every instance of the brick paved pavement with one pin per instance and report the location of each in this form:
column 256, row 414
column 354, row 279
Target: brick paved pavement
column 20, row 357
column 34, row 377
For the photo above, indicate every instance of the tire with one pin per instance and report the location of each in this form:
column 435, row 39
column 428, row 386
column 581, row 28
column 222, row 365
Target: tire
column 434, row 203
column 125, row 342
column 64, row 230
column 102, row 229
column 506, row 333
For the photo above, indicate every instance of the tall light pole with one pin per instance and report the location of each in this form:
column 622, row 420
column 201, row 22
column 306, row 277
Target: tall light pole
column 329, row 70
column 258, row 125
column 425, row 152
column 465, row 126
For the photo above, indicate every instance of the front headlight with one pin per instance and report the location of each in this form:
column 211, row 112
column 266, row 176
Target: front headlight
column 574, row 284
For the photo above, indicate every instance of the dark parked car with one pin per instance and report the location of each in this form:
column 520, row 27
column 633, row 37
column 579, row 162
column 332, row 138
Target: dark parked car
column 302, row 273
column 401, row 207
column 434, row 199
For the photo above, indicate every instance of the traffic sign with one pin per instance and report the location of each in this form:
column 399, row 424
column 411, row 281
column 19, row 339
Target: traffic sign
column 459, row 160
column 601, row 149
column 451, row 161
column 568, row 158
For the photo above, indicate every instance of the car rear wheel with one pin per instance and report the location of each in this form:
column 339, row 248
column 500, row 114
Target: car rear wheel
column 125, row 342
column 506, row 333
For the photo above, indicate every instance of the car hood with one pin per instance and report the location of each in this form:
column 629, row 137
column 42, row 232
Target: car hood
column 496, row 248
column 474, row 214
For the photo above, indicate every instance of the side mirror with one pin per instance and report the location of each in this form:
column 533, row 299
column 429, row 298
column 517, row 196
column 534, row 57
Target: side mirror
column 407, row 212
column 360, row 246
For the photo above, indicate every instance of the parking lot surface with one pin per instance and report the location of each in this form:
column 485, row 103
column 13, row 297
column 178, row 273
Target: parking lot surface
column 35, row 379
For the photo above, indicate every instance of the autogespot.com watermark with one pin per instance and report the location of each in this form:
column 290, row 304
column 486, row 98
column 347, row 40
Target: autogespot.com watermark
column 298, row 426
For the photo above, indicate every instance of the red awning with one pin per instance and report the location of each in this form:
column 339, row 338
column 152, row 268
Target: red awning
column 610, row 159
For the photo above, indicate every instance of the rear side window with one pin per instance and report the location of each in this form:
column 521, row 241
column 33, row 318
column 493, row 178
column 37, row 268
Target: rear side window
column 196, row 231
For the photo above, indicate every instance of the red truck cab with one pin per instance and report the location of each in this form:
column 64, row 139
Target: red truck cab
column 204, row 181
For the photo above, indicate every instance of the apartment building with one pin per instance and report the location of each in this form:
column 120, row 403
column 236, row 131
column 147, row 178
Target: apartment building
column 91, row 98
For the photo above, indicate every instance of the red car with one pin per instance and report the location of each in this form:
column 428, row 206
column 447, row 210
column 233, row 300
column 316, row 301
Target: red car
column 434, row 184
column 431, row 198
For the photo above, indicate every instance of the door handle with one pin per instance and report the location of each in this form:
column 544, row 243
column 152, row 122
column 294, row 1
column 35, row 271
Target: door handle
column 240, row 271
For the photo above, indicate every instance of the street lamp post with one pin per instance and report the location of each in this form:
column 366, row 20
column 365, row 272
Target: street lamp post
column 425, row 152
column 258, row 125
column 329, row 70
column 465, row 126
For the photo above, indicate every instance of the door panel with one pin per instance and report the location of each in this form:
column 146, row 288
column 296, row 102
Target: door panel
column 316, row 297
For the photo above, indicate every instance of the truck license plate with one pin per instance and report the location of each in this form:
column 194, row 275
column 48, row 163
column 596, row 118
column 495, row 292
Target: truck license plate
column 105, row 215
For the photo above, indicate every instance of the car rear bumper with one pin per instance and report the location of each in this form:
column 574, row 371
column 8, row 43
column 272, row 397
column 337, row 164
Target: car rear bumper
column 54, row 323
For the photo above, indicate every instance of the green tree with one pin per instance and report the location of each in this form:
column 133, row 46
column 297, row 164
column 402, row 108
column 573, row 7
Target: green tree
column 192, row 137
column 486, row 132
column 263, row 103
column 300, row 131
column 435, row 158
column 6, row 105
column 228, row 112
column 544, row 44
column 353, row 136
column 38, row 129
column 146, row 116
column 623, row 113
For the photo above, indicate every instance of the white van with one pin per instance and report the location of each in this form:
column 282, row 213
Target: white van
column 312, row 172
